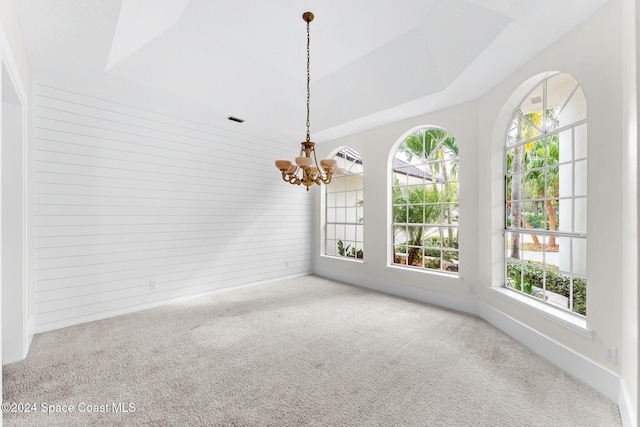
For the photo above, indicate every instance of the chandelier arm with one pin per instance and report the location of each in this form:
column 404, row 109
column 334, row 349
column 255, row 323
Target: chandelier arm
column 315, row 161
column 290, row 178
column 323, row 179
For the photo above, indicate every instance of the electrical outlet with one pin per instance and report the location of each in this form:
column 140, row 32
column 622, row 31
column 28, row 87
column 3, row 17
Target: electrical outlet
column 287, row 263
column 610, row 354
column 471, row 289
column 153, row 285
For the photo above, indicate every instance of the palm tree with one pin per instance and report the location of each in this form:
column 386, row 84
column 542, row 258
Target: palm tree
column 436, row 146
column 543, row 179
column 408, row 208
column 523, row 127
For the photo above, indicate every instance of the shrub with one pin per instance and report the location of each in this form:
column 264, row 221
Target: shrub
column 536, row 221
column 432, row 253
column 435, row 242
column 556, row 282
column 433, row 263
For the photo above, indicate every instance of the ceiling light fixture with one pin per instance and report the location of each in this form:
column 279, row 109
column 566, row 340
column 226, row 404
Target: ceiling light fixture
column 306, row 170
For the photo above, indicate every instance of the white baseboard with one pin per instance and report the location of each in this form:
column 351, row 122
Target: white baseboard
column 626, row 407
column 31, row 330
column 454, row 302
column 140, row 307
column 596, row 376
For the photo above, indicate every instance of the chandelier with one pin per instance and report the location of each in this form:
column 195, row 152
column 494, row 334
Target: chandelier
column 306, row 170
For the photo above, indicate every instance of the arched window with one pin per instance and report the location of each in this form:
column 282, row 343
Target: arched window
column 425, row 201
column 344, row 201
column 546, row 195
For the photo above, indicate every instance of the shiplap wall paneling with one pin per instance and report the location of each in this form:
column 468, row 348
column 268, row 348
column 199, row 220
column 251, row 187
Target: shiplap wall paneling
column 126, row 196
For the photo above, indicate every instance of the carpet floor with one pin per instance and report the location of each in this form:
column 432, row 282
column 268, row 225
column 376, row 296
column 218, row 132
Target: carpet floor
column 297, row 352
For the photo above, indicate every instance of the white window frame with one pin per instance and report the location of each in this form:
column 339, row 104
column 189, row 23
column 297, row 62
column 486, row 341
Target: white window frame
column 417, row 174
column 574, row 237
column 343, row 204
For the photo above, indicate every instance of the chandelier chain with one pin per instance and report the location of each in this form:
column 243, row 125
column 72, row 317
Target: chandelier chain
column 306, row 169
column 308, row 82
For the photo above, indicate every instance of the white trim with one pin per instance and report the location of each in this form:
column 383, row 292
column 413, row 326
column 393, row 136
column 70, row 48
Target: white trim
column 8, row 63
column 331, row 189
column 466, row 305
column 558, row 316
column 155, row 304
column 12, row 67
column 3, row 43
column 625, row 405
column 571, row 197
column 591, row 373
column 341, row 258
column 424, row 272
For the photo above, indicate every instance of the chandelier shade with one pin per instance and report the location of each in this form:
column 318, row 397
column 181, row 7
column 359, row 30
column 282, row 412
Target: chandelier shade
column 306, row 170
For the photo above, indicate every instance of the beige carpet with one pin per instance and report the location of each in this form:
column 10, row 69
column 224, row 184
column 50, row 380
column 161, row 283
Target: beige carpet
column 299, row 352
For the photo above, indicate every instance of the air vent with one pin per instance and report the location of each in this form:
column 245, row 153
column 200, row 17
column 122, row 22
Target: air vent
column 235, row 119
column 536, row 100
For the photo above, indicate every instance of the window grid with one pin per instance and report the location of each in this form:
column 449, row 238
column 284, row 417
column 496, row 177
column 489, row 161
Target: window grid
column 344, row 199
column 546, row 259
column 425, row 202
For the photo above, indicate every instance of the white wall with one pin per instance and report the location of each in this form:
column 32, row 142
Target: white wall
column 377, row 147
column 14, row 56
column 592, row 53
column 128, row 193
column 629, row 365
column 14, row 301
column 96, row 202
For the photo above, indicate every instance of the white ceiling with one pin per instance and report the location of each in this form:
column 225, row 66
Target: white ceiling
column 372, row 62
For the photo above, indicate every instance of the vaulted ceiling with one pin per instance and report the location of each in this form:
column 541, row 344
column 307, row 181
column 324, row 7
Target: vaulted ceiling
column 372, row 62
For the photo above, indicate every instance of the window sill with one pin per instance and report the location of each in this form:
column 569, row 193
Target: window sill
column 558, row 316
column 424, row 272
column 343, row 258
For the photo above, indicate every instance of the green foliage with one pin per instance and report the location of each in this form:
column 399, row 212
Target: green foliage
column 450, row 256
column 349, row 251
column 532, row 276
column 341, row 249
column 430, row 144
column 536, row 221
column 415, row 205
column 434, row 242
column 433, row 263
column 541, row 161
column 433, row 258
column 432, row 253
column 420, row 204
column 360, row 203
